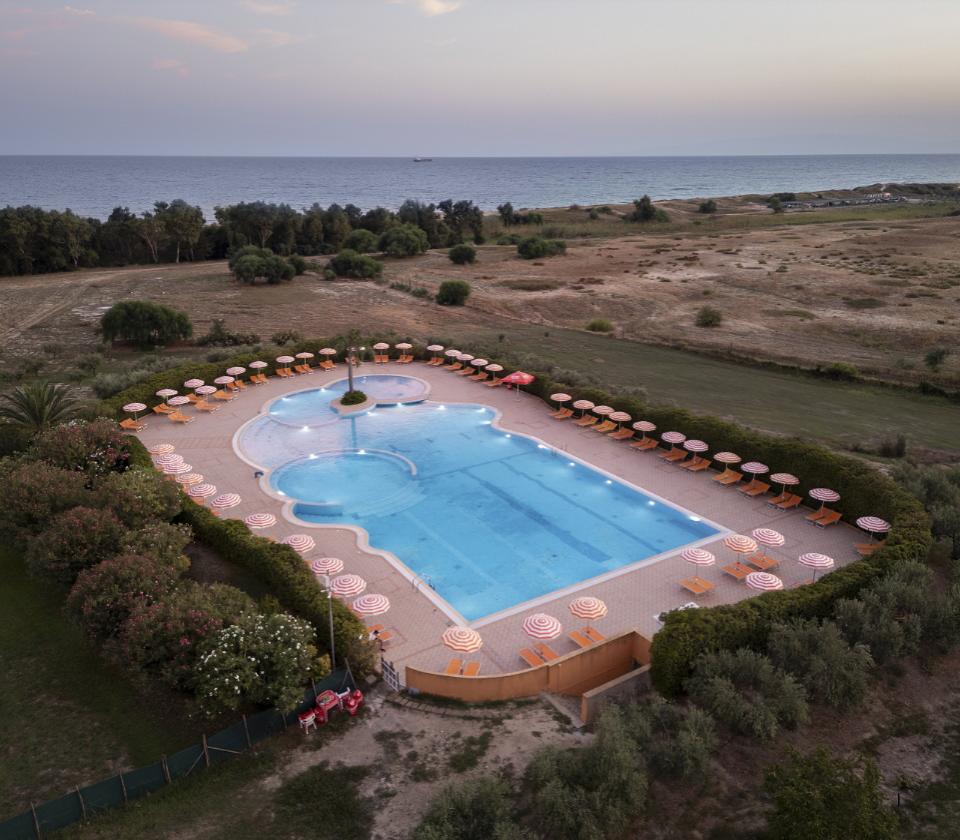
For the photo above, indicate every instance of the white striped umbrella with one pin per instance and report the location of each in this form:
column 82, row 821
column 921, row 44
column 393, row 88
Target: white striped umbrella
column 560, row 398
column 258, row 365
column 698, row 556
column 583, row 406
column 177, row 469
column 542, row 626
column 347, row 585
column 644, row 426
column 285, row 360
column 824, row 495
column 301, row 543
column 764, row 581
column 328, row 351
column 304, row 355
column 189, row 478
column 451, row 353
column 588, row 608
column 176, row 401
column 673, row 438
column 225, row 500
column 193, row 383
column 767, row 536
column 206, row 390
column 381, row 345
column 224, row 380
column 135, row 408
column 462, row 639
column 873, row 525
column 371, row 604
column 434, row 348
column 727, row 458
column 477, row 363
column 236, row 371
column 785, row 480
column 755, row 468
column 603, row 410
column 816, row 561
column 201, row 491
column 404, row 345
column 464, row 357
column 695, row 446
column 494, row 368
column 166, row 392
column 619, row 417
column 161, row 449
column 740, row 544
column 260, row 520
column 169, row 458
column 326, row 566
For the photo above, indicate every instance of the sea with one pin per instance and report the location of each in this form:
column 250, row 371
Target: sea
column 94, row 185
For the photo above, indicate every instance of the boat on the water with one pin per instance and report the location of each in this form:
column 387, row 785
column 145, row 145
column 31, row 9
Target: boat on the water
column 422, row 160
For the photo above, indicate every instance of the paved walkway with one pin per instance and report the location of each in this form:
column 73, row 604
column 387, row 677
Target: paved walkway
column 634, row 598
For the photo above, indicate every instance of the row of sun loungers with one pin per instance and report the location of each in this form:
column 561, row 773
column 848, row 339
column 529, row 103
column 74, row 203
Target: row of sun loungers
column 459, row 668
column 406, row 359
column 541, row 653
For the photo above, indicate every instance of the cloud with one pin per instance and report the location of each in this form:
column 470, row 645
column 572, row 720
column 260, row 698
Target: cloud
column 260, row 8
column 194, row 33
column 275, row 38
column 70, row 10
column 431, row 8
column 171, row 65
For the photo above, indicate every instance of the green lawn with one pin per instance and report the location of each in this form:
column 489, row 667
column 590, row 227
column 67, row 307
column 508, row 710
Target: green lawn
column 65, row 718
column 836, row 413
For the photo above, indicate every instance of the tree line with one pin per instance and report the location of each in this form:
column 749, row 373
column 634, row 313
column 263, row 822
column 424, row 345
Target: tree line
column 37, row 241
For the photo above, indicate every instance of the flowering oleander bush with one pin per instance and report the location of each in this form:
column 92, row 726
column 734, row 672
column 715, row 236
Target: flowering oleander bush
column 140, row 497
column 94, row 448
column 35, row 492
column 104, row 597
column 73, row 541
column 261, row 659
column 165, row 541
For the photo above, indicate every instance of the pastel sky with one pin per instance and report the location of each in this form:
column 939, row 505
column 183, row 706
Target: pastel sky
column 479, row 77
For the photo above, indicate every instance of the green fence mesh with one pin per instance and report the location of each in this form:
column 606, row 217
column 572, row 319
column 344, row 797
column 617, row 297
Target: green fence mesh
column 134, row 784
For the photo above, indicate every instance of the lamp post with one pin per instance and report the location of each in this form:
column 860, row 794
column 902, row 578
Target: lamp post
column 333, row 644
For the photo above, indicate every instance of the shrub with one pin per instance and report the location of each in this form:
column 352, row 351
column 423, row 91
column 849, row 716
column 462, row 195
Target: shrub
column 708, row 316
column 144, row 323
column 475, row 810
column 31, row 409
column 453, row 293
column 842, row 371
column 509, row 239
column 939, row 490
column 831, row 669
column 403, row 241
column 219, row 336
column 33, row 493
column 95, row 449
column 829, row 798
column 163, row 639
column 162, row 541
column 104, row 596
column 676, row 741
column 775, row 204
column 299, row 264
column 140, row 497
column 708, row 206
column 73, row 541
column 935, row 358
column 353, row 397
column 261, row 659
column 462, row 254
column 285, row 337
column 893, row 447
column 744, row 690
column 535, row 247
column 362, row 241
column 251, row 263
column 644, row 211
column 351, row 264
column 600, row 325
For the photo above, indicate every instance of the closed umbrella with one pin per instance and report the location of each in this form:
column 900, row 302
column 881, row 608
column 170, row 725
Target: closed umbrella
column 462, row 639
column 346, row 586
column 816, row 561
column 371, row 604
column 542, row 626
column 257, row 521
column 763, row 581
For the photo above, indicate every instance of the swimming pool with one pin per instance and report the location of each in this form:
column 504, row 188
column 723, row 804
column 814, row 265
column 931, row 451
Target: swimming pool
column 488, row 518
column 313, row 406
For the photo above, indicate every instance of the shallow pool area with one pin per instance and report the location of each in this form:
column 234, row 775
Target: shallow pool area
column 488, row 518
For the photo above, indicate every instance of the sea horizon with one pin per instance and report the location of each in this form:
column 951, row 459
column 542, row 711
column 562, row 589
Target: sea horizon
column 92, row 185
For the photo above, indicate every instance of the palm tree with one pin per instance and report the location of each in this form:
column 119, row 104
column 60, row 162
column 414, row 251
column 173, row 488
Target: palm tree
column 35, row 408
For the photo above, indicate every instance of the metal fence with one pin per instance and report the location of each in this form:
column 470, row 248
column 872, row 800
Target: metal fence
column 90, row 800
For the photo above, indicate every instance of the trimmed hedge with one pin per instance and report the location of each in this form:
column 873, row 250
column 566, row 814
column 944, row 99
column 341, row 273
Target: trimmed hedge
column 688, row 633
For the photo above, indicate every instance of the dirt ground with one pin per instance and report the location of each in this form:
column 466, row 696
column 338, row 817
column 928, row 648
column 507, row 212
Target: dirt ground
column 875, row 294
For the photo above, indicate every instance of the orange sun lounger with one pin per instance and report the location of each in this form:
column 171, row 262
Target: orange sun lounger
column 644, row 444
column 604, row 427
column 832, row 518
column 697, row 464
column 546, row 651
column 586, row 420
column 754, row 488
column 579, row 639
column 178, row 417
column 764, row 562
column 453, row 667
column 530, row 658
column 791, row 502
column 471, row 669
column 593, row 634
column 674, row 455
column 562, row 414
column 494, row 382
column 737, row 570
column 621, row 434
column 697, row 585
column 132, row 425
column 728, row 476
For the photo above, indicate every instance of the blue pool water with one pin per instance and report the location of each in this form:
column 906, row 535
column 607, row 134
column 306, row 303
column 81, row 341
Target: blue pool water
column 490, row 519
column 309, row 407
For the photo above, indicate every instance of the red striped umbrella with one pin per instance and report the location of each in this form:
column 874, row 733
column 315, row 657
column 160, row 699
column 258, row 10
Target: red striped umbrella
column 698, row 556
column 695, row 446
column 256, row 521
column 301, row 543
column 727, row 458
column 189, row 478
column 177, row 469
column 560, row 398
column 477, row 363
column 519, row 377
column 464, row 357
column 236, row 371
column 767, row 536
column 326, row 566
column 371, row 605
column 404, row 345
column 673, row 437
column 161, row 449
column 177, row 401
column 816, row 561
column 755, row 468
column 583, row 406
column 740, row 544
column 494, row 368
column 644, row 426
column 763, row 581
column 166, row 392
column 285, row 360
column 206, row 390
column 381, row 345
column 588, row 608
column 225, row 500
column 785, row 480
column 824, row 495
column 463, row 639
column 135, row 408
column 328, row 351
column 433, row 348
column 347, row 585
column 542, row 626
column 193, row 383
column 201, row 491
column 304, row 355
column 451, row 353
column 873, row 525
column 258, row 365
column 224, row 380
column 603, row 410
column 166, row 460
column 619, row 417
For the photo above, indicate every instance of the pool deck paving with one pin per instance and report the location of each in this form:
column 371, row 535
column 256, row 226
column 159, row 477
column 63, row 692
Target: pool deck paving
column 634, row 597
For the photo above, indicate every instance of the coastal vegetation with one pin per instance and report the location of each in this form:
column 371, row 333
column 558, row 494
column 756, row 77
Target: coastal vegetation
column 352, row 264
column 251, row 263
column 462, row 254
column 536, row 247
column 453, row 293
column 144, row 324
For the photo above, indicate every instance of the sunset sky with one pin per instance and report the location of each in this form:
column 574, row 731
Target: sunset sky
column 479, row 77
